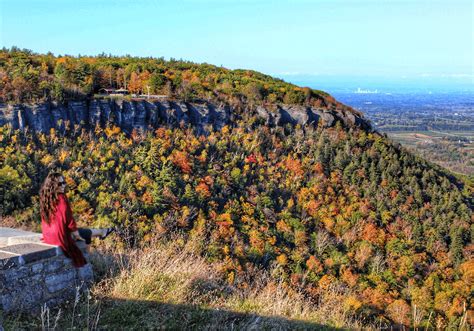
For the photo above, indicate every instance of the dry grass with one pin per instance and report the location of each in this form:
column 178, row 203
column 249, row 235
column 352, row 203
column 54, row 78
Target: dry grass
column 174, row 273
column 169, row 285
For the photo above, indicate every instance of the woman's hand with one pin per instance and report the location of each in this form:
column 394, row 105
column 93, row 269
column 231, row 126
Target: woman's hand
column 77, row 236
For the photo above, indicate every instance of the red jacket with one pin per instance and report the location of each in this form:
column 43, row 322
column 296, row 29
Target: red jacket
column 58, row 231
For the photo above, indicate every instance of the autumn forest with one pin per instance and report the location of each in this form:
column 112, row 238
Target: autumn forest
column 321, row 208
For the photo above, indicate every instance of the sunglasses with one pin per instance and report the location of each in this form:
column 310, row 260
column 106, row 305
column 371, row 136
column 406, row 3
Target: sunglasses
column 62, row 183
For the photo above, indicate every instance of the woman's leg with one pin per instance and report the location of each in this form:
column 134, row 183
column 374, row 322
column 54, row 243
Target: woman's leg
column 101, row 233
column 98, row 232
column 86, row 234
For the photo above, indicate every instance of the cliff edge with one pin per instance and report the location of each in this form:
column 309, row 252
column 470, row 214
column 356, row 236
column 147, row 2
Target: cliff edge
column 141, row 114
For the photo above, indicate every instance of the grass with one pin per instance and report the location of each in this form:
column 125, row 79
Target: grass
column 171, row 286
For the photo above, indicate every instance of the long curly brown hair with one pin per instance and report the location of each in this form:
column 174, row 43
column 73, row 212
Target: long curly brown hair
column 49, row 195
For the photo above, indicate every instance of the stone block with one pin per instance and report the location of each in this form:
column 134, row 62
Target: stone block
column 57, row 282
column 22, row 299
column 67, row 263
column 6, row 234
column 54, row 265
column 31, row 252
column 9, row 260
column 85, row 273
column 32, row 238
column 37, row 267
column 14, row 275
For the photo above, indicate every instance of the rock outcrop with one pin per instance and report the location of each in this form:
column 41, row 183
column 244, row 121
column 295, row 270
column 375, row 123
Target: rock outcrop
column 142, row 115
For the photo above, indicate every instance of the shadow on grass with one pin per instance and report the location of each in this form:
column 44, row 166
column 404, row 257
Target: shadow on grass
column 148, row 314
column 118, row 314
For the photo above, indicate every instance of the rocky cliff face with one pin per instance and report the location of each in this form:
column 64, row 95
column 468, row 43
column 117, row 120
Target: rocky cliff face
column 144, row 114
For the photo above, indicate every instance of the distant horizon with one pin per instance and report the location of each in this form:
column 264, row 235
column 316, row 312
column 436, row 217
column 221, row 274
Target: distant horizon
column 395, row 84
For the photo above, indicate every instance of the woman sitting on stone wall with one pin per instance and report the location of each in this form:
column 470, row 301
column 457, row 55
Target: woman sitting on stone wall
column 57, row 223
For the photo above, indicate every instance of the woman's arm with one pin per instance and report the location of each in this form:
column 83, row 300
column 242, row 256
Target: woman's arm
column 70, row 222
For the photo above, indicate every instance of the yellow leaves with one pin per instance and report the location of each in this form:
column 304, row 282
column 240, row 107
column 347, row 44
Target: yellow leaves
column 328, row 223
column 203, row 157
column 282, row 259
column 326, row 281
column 226, row 249
column 467, row 270
column 70, row 183
column 272, row 240
column 351, row 304
column 248, row 208
column 283, row 227
column 110, row 164
column 247, row 220
column 231, row 277
column 225, row 230
column 125, row 143
column 47, row 159
column 84, row 186
column 290, row 203
column 386, row 216
column 183, row 220
column 83, row 210
column 61, row 60
column 225, row 130
column 143, row 182
column 421, row 297
column 312, row 207
column 144, row 224
column 112, row 131
column 224, row 219
column 63, row 154
column 300, row 237
column 457, row 307
column 256, row 241
column 405, row 266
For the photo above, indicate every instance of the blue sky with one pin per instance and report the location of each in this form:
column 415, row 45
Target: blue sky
column 394, row 39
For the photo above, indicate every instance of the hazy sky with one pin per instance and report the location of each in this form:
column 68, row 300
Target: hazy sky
column 347, row 38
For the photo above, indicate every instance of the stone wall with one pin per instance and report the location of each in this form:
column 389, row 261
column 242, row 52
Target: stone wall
column 33, row 274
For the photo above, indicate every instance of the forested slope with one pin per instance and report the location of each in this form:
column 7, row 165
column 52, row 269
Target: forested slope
column 322, row 207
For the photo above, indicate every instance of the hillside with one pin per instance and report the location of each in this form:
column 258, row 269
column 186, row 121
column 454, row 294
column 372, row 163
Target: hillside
column 321, row 207
column 28, row 77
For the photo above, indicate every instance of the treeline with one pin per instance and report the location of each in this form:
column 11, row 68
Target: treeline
column 26, row 76
column 329, row 208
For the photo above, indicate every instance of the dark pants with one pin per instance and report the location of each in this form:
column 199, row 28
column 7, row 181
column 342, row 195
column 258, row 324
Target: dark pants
column 86, row 234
